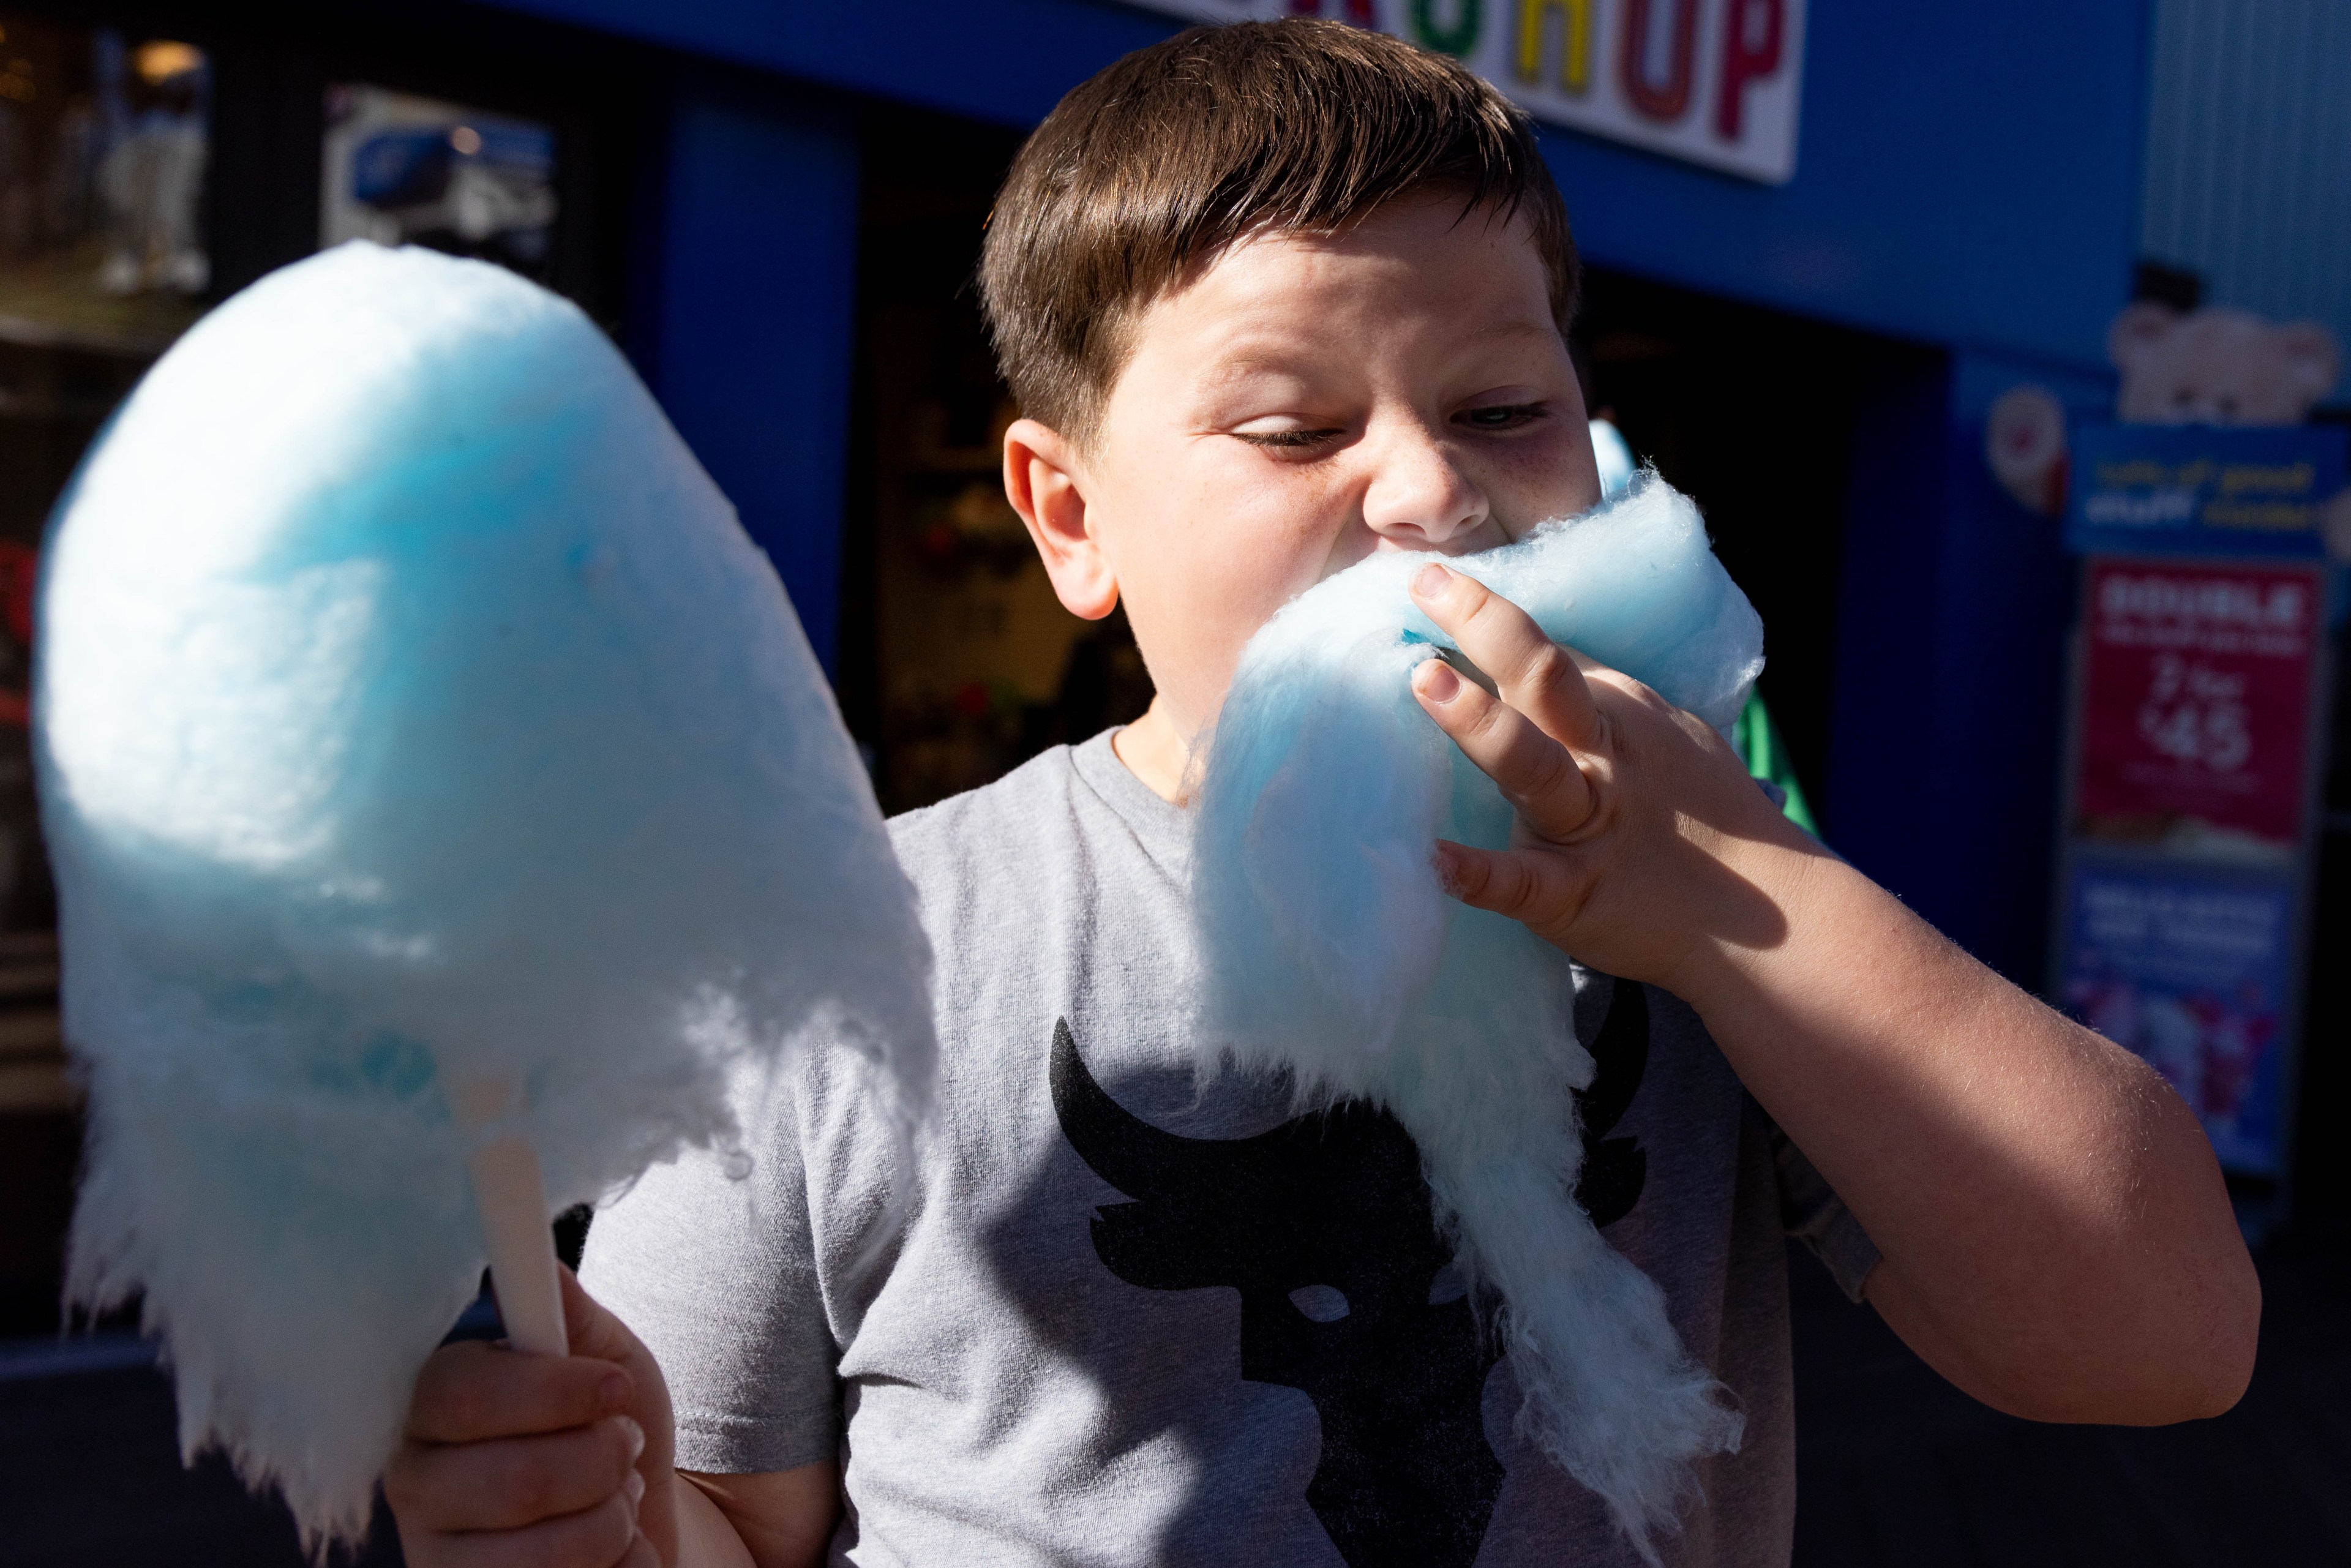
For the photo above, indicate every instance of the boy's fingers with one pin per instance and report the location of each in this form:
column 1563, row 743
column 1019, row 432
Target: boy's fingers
column 1507, row 882
column 1535, row 675
column 590, row 1329
column 1535, row 773
column 512, row 1482
column 473, row 1391
column 605, row 1536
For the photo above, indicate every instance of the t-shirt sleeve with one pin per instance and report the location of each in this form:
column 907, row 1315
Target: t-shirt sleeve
column 713, row 1266
column 1812, row 1212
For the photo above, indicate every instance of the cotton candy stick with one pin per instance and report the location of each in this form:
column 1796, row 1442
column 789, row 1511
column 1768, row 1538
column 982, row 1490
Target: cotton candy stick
column 510, row 1196
column 450, row 821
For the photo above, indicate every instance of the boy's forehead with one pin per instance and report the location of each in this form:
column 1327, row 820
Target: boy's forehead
column 1267, row 292
column 1408, row 230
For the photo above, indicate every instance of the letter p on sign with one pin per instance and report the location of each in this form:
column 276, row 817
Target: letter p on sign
column 1751, row 32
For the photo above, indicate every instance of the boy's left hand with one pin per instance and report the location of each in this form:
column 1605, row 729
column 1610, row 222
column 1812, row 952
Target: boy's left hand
column 1641, row 839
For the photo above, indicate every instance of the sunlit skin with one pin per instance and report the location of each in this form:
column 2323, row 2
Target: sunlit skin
column 2056, row 1238
column 1302, row 403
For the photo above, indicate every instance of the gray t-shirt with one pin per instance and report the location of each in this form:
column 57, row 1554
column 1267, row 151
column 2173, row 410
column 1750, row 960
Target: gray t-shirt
column 1127, row 1319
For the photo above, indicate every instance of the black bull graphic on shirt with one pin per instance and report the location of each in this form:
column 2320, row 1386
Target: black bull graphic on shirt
column 1327, row 1229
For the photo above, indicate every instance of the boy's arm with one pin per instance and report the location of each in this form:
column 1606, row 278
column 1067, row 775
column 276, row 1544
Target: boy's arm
column 783, row 1518
column 2055, row 1236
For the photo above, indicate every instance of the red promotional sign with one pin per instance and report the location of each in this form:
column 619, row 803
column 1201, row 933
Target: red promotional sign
column 2196, row 698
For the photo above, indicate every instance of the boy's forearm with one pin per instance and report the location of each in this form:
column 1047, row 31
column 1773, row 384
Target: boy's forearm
column 2056, row 1235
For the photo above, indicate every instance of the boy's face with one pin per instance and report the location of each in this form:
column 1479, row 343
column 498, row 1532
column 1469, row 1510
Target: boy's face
column 1301, row 403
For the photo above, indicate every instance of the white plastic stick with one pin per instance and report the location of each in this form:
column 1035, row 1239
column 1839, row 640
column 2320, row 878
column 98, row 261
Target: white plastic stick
column 511, row 1197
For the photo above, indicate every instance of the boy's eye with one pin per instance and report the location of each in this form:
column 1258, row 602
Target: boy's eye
column 1501, row 416
column 1286, row 438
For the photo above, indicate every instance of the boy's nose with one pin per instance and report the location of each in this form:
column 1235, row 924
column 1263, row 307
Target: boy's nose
column 1419, row 495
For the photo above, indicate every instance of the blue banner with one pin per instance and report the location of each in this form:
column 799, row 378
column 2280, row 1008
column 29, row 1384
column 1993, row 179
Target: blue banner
column 2200, row 489
column 2190, row 969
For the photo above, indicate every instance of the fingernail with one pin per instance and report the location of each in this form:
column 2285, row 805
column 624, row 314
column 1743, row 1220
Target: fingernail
column 1448, row 869
column 636, row 1436
column 1430, row 581
column 1437, row 682
column 613, row 1392
column 635, row 1487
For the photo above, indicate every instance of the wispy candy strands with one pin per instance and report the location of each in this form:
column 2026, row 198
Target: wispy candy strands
column 418, row 726
column 1331, row 951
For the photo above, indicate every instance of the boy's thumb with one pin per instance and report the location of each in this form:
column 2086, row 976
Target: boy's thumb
column 592, row 1330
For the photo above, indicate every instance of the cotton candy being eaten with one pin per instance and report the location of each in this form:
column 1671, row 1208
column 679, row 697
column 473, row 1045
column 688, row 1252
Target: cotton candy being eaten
column 411, row 704
column 1330, row 950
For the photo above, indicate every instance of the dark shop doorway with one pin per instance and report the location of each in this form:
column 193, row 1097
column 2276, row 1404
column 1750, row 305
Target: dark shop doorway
column 1752, row 413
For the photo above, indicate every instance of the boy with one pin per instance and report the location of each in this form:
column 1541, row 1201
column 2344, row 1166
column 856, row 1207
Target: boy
column 1274, row 297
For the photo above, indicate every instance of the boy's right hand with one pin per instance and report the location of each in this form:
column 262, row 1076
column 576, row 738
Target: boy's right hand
column 539, row 1461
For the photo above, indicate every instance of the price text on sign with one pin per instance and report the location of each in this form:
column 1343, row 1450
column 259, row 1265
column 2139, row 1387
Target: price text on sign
column 2196, row 698
column 1716, row 82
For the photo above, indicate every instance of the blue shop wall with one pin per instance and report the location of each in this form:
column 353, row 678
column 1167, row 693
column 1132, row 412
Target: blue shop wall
column 1966, row 174
column 1967, row 179
column 742, row 322
column 1943, row 766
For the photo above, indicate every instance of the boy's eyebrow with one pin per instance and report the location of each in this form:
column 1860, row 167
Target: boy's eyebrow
column 1254, row 360
column 1261, row 353
column 1521, row 329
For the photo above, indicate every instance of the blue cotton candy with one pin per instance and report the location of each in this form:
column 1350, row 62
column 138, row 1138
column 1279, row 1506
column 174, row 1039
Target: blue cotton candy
column 1330, row 950
column 411, row 704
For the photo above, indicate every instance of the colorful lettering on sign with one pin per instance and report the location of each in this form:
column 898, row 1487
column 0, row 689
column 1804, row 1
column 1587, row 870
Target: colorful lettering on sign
column 1574, row 44
column 2194, row 702
column 1662, row 97
column 1459, row 36
column 1751, row 32
column 1716, row 82
column 2204, row 490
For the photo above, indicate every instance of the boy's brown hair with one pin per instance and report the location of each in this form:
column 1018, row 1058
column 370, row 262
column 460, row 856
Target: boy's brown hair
column 1159, row 161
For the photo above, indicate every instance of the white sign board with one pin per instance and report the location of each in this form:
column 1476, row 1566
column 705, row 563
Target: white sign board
column 1716, row 82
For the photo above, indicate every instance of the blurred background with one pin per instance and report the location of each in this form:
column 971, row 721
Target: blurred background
column 2000, row 343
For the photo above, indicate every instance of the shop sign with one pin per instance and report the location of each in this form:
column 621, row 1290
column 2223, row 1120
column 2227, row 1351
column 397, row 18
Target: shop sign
column 1716, row 82
column 2204, row 490
column 2195, row 707
column 2193, row 972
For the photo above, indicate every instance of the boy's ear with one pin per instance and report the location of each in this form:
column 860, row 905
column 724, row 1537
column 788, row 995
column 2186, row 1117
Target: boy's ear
column 1044, row 480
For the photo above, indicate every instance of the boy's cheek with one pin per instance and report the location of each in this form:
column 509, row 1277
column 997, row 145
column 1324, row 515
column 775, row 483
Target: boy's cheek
column 1540, row 476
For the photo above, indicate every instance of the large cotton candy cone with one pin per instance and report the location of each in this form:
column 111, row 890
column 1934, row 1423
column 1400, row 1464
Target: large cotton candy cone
column 412, row 706
column 1329, row 949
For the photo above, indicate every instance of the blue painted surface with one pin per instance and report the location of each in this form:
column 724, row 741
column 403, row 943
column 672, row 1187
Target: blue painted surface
column 1005, row 60
column 2249, row 153
column 1943, row 765
column 1966, row 174
column 744, row 329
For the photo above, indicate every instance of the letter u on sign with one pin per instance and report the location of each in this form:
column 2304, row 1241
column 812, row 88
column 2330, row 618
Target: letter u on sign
column 1653, row 38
